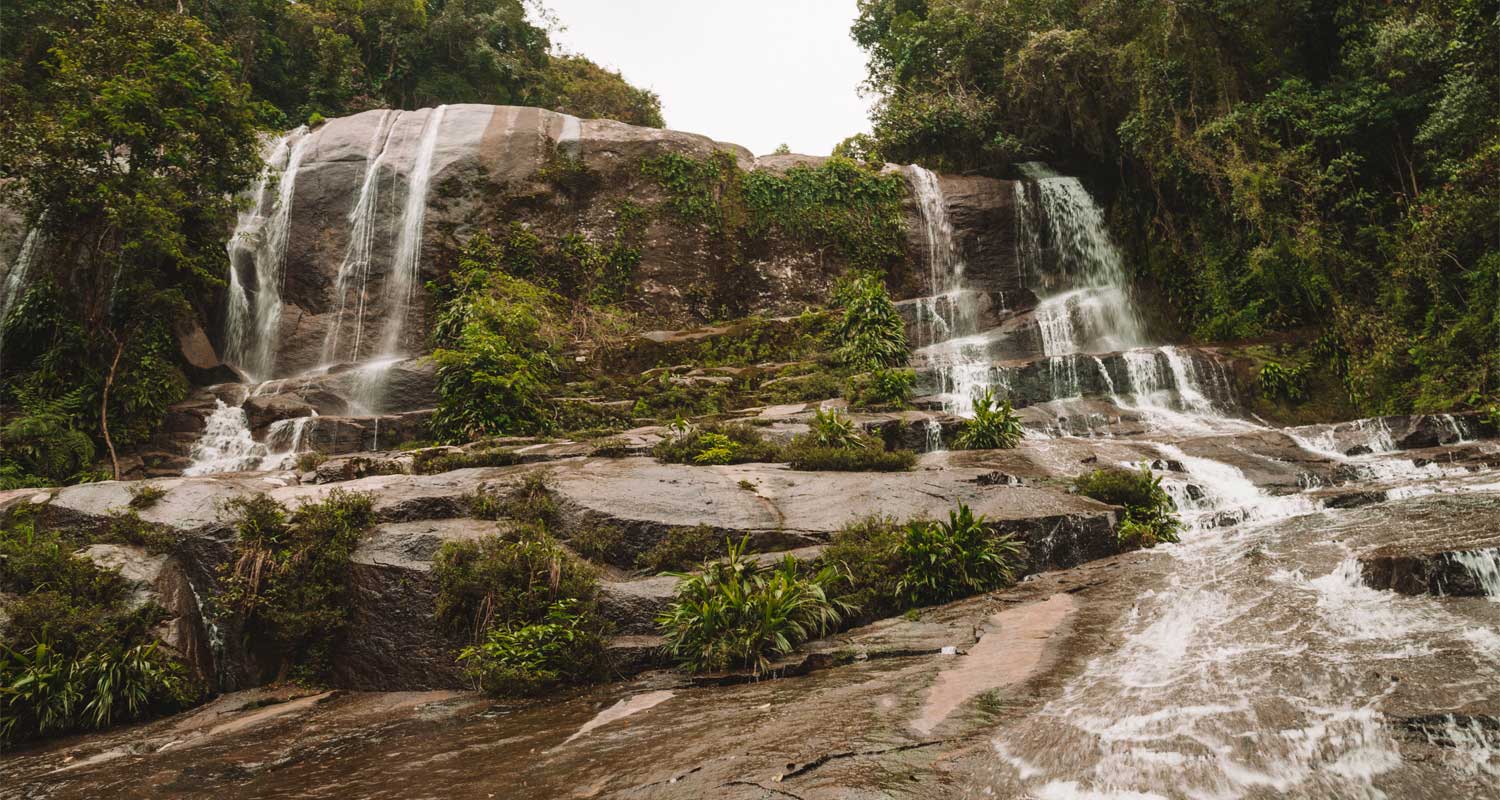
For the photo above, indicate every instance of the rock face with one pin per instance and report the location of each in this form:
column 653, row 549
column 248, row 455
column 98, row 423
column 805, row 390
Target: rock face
column 392, row 641
column 493, row 165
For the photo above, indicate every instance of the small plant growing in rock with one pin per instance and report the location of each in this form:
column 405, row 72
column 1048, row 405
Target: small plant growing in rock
column 994, row 426
column 948, row 560
column 681, row 548
column 737, row 613
column 145, row 496
column 1149, row 517
column 529, row 501
column 833, row 429
column 519, row 659
column 1280, row 384
column 600, row 543
column 290, row 580
column 311, row 460
column 880, row 388
column 871, row 333
column 717, row 444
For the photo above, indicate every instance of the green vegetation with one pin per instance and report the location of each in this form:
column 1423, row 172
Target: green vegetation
column 713, row 443
column 848, row 208
column 527, row 659
column 880, row 388
column 145, row 496
column 992, row 426
column 73, row 656
column 90, row 362
column 1320, row 170
column 871, row 334
column 289, row 581
column 1149, row 511
column 871, row 458
column 947, row 560
column 682, row 548
column 527, row 607
column 1280, row 384
column 737, row 613
column 890, row 566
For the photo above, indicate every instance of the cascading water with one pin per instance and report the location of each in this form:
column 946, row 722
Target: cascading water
column 405, row 272
column 258, row 247
column 354, row 271
column 13, row 283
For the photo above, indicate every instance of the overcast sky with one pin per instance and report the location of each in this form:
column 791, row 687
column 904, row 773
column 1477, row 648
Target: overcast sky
column 752, row 72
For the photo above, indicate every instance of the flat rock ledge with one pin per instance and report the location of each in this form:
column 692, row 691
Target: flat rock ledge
column 394, row 644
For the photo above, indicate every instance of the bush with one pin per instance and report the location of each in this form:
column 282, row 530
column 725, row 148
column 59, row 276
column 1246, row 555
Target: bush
column 716, row 444
column 145, row 496
column 740, row 614
column 529, row 501
column 45, row 691
column 681, row 548
column 1149, row 511
column 880, row 388
column 867, row 554
column 833, row 429
column 72, row 655
column 512, row 580
column 947, row 560
column 289, row 583
column 871, row 334
column 1279, row 384
column 530, row 658
column 872, row 458
column 601, row 543
column 993, row 427
column 434, row 462
column 311, row 460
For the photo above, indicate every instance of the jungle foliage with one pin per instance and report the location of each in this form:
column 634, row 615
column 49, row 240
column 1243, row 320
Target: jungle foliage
column 1150, row 514
column 1328, row 169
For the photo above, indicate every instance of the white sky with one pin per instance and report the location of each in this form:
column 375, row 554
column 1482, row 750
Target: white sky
column 752, row 72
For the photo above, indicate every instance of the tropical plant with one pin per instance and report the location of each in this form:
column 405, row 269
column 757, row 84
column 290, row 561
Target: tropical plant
column 947, row 560
column 289, row 583
column 992, row 426
column 737, row 613
column 1149, row 517
column 879, row 388
column 46, row 691
column 830, row 428
column 871, row 333
column 527, row 658
column 508, row 580
column 1277, row 382
column 874, row 457
column 714, row 443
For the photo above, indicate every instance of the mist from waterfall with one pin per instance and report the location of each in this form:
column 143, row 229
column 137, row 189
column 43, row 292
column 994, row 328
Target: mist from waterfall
column 13, row 283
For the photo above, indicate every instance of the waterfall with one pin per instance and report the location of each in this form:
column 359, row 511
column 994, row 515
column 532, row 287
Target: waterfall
column 354, row 270
column 402, row 280
column 226, row 444
column 13, row 284
column 258, row 246
column 1484, row 565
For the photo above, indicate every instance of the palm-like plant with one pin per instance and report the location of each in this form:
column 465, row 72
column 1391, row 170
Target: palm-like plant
column 948, row 560
column 833, row 429
column 994, row 426
column 739, row 613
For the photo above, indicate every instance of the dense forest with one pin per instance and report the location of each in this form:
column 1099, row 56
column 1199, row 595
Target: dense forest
column 185, row 89
column 1327, row 172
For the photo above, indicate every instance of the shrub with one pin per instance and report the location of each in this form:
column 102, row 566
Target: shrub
column 869, row 563
column 529, row 501
column 947, row 560
column 716, row 444
column 883, row 388
column 311, row 460
column 438, row 461
column 507, row 579
column 44, row 690
column 289, row 584
column 1149, row 511
column 565, row 646
column 145, row 496
column 833, row 429
column 993, row 427
column 604, row 543
column 872, row 458
column 1277, row 383
column 681, row 548
column 871, row 334
column 740, row 614
column 73, row 656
